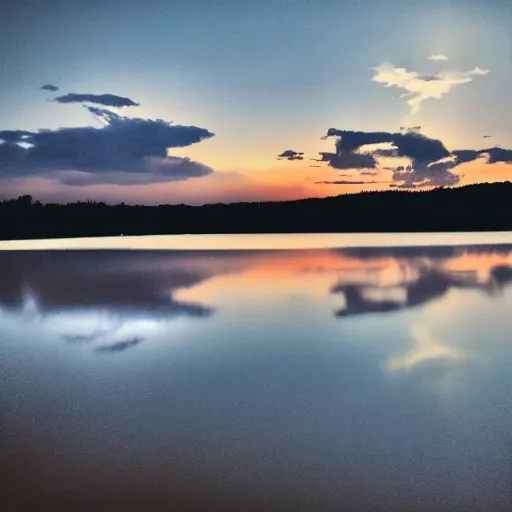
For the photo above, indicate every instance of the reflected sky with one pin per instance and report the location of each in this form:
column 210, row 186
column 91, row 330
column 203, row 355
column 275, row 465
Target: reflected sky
column 320, row 379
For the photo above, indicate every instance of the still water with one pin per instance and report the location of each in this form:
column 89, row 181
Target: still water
column 341, row 378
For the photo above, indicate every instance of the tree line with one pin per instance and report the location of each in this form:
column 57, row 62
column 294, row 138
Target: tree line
column 482, row 207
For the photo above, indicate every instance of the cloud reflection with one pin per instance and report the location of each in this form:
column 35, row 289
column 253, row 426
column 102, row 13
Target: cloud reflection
column 425, row 349
column 120, row 346
column 109, row 300
column 424, row 275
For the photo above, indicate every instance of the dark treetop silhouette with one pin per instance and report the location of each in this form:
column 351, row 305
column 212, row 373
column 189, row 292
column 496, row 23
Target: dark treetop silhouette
column 483, row 207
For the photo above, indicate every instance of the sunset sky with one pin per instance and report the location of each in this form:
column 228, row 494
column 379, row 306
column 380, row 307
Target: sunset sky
column 354, row 95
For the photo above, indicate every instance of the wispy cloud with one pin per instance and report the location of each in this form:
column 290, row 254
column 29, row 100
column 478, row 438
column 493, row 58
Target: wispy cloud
column 49, row 87
column 107, row 100
column 420, row 87
column 290, row 154
column 437, row 57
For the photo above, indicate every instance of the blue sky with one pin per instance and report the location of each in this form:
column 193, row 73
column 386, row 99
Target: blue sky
column 263, row 76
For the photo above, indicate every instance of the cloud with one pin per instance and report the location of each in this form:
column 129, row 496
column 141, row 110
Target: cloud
column 49, row 87
column 348, row 160
column 387, row 149
column 333, row 132
column 348, row 154
column 12, row 136
column 290, row 154
column 430, row 164
column 162, row 170
column 498, row 155
column 410, row 129
column 420, row 87
column 492, row 155
column 421, row 149
column 466, row 155
column 410, row 144
column 107, row 100
column 125, row 150
column 437, row 57
column 421, row 175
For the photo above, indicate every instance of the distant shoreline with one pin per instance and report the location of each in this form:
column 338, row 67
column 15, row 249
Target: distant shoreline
column 473, row 208
column 276, row 241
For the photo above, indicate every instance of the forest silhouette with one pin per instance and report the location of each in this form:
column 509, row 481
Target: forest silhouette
column 481, row 207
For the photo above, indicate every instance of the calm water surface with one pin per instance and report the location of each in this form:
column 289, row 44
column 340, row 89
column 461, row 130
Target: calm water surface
column 376, row 378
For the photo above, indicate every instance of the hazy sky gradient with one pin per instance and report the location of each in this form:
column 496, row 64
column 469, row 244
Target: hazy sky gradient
column 263, row 76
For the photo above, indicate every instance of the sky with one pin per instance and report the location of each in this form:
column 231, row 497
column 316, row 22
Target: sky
column 221, row 101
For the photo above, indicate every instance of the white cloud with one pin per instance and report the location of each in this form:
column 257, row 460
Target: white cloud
column 377, row 148
column 437, row 56
column 420, row 87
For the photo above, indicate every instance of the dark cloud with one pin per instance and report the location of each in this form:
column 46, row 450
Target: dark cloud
column 14, row 135
column 422, row 150
column 499, row 155
column 345, row 158
column 419, row 147
column 427, row 168
column 49, row 87
column 107, row 100
column 162, row 171
column 410, row 144
column 369, row 173
column 422, row 174
column 348, row 140
column 387, row 152
column 431, row 163
column 333, row 132
column 125, row 150
column 290, row 154
column 466, row 155
column 494, row 155
column 348, row 160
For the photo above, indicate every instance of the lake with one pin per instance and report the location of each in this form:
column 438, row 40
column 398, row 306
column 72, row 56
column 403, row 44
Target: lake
column 304, row 372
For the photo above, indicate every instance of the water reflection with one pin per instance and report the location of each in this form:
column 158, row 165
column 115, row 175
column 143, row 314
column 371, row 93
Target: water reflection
column 424, row 350
column 112, row 300
column 347, row 379
column 425, row 274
